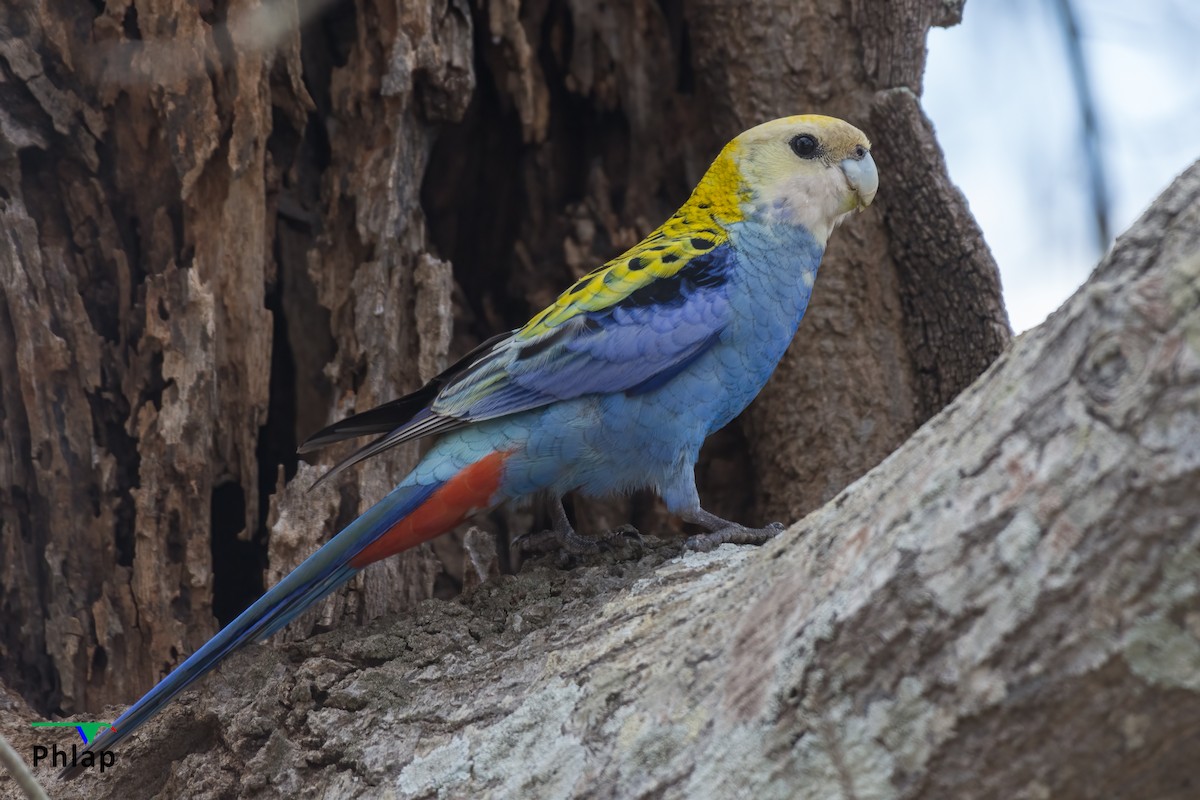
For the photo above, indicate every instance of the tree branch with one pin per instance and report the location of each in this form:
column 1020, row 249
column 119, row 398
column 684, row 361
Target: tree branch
column 1004, row 608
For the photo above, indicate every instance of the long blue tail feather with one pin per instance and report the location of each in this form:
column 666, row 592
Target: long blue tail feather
column 319, row 574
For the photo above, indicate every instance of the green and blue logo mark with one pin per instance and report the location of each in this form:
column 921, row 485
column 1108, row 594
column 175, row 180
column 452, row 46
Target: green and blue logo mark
column 87, row 730
column 89, row 759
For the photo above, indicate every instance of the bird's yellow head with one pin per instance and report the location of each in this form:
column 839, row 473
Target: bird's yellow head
column 806, row 170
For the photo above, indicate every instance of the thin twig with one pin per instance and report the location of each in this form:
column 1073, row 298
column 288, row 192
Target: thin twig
column 1081, row 78
column 20, row 771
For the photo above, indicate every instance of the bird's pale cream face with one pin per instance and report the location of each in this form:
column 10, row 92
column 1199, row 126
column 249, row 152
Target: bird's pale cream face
column 808, row 170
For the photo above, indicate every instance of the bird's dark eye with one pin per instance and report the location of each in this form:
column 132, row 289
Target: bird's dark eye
column 860, row 152
column 804, row 145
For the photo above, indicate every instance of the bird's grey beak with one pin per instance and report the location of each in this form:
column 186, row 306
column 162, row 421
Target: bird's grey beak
column 863, row 178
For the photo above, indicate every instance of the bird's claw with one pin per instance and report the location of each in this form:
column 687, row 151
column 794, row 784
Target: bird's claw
column 570, row 543
column 733, row 534
column 621, row 535
column 550, row 540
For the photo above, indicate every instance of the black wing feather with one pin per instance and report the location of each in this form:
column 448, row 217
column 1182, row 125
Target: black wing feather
column 393, row 414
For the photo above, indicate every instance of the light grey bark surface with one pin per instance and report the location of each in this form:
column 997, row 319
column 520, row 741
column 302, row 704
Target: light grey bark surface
column 1006, row 607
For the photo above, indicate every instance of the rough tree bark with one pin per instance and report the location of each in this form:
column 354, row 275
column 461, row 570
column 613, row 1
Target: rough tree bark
column 1006, row 607
column 156, row 183
column 223, row 224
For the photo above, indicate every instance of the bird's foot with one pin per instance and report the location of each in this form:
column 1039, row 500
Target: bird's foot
column 621, row 536
column 563, row 540
column 568, row 542
column 569, row 545
column 732, row 533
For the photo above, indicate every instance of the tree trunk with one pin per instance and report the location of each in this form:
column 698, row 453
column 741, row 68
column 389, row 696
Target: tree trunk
column 1004, row 608
column 224, row 224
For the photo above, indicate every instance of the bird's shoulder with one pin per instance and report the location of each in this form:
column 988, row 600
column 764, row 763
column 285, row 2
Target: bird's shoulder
column 689, row 250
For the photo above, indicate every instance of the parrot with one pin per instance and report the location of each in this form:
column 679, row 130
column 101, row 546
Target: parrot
column 613, row 387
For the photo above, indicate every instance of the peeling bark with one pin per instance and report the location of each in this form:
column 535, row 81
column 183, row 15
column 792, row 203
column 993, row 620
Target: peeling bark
column 212, row 242
column 1004, row 608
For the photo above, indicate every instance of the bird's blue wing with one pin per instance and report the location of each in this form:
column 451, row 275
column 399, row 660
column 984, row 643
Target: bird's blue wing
column 628, row 326
column 633, row 343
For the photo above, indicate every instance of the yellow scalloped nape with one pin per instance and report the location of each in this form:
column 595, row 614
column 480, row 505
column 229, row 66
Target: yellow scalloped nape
column 696, row 228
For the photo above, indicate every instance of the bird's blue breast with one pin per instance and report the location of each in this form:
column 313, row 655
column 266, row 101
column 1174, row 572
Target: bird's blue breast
column 769, row 285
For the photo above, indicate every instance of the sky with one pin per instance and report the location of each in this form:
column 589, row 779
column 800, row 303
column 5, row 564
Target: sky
column 998, row 90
